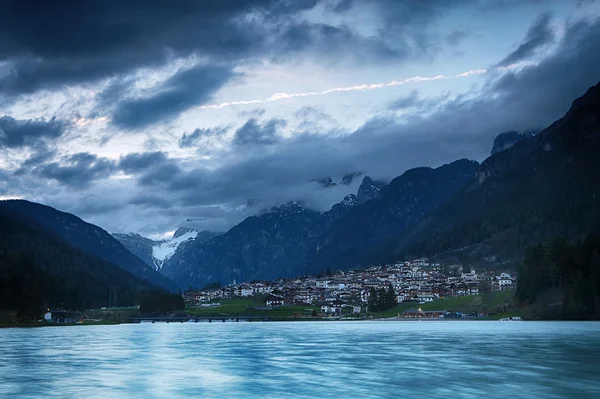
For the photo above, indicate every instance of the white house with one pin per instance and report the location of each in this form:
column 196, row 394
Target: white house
column 323, row 283
column 331, row 309
column 273, row 300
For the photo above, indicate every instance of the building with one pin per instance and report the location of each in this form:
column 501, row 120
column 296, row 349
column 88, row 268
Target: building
column 60, row 317
column 273, row 300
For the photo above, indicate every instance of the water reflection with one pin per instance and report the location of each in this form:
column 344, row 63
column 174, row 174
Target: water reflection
column 303, row 360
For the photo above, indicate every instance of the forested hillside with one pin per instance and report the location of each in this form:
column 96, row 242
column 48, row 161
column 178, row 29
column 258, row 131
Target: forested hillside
column 562, row 280
column 39, row 270
column 543, row 186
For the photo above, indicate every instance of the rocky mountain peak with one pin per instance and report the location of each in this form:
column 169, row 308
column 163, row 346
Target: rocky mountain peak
column 369, row 189
column 182, row 230
column 507, row 139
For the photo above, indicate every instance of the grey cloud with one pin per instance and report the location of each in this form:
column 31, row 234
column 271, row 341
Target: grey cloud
column 161, row 173
column 456, row 37
column 194, row 138
column 384, row 147
column 153, row 201
column 41, row 156
column 78, row 170
column 408, row 101
column 253, row 113
column 187, row 88
column 136, row 162
column 113, row 37
column 30, row 132
column 254, row 133
column 539, row 35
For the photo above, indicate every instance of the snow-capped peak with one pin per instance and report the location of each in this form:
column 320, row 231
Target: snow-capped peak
column 165, row 249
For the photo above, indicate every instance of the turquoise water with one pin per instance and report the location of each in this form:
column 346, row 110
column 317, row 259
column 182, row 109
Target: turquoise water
column 419, row 359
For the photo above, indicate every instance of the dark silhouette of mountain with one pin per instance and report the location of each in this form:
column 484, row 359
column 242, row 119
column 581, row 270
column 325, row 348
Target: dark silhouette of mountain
column 291, row 240
column 363, row 233
column 543, row 186
column 38, row 269
column 85, row 236
column 507, row 139
column 275, row 243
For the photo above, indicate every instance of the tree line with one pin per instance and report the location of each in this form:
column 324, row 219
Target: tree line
column 561, row 280
column 382, row 299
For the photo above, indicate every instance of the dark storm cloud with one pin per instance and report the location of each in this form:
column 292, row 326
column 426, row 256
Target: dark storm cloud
column 185, row 89
column 260, row 134
column 51, row 44
column 77, row 171
column 81, row 169
column 539, row 35
column 135, row 162
column 19, row 133
column 194, row 138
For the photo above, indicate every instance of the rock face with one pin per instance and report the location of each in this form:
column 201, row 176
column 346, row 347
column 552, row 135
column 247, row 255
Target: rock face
column 139, row 246
column 85, row 236
column 292, row 240
column 275, row 243
column 539, row 188
column 369, row 189
column 507, row 139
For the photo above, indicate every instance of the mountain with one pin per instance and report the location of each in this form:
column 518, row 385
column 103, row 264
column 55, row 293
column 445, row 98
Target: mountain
column 84, row 236
column 543, row 186
column 507, row 139
column 361, row 235
column 533, row 187
column 38, row 269
column 269, row 245
column 139, row 246
column 291, row 240
column 155, row 252
column 369, row 189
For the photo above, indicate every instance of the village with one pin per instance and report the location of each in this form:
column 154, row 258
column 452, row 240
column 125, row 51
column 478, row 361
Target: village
column 417, row 282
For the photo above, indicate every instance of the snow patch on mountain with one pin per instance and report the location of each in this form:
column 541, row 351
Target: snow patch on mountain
column 165, row 249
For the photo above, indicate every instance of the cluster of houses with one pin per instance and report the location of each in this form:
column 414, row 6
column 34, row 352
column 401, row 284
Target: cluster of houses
column 418, row 281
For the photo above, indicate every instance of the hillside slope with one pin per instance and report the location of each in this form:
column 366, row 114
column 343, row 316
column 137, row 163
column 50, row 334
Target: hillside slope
column 85, row 236
column 38, row 269
column 544, row 186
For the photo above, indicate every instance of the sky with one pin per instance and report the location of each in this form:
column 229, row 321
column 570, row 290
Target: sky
column 143, row 116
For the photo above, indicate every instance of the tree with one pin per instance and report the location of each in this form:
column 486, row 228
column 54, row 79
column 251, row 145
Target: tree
column 372, row 303
column 485, row 287
column 390, row 297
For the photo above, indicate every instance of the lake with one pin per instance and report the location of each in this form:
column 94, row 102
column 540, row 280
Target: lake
column 388, row 359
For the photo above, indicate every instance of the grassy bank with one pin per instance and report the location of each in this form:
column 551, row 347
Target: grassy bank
column 497, row 304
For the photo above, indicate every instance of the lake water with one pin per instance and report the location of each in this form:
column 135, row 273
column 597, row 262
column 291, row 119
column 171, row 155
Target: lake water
column 417, row 359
